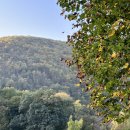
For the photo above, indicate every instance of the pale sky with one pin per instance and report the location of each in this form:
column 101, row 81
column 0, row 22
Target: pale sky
column 33, row 17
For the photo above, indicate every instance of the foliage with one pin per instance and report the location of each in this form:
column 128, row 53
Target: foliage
column 75, row 125
column 101, row 51
column 3, row 118
column 47, row 110
column 41, row 109
column 90, row 121
column 123, row 126
column 33, row 62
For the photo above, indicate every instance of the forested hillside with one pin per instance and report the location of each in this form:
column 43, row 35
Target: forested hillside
column 31, row 62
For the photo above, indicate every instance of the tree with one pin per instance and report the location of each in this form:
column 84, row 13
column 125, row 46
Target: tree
column 75, row 125
column 20, row 110
column 49, row 111
column 3, row 119
column 101, row 52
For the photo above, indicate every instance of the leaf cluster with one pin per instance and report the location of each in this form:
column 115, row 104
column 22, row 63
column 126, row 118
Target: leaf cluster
column 101, row 51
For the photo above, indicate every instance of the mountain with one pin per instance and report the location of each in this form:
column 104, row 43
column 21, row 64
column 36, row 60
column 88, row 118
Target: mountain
column 31, row 62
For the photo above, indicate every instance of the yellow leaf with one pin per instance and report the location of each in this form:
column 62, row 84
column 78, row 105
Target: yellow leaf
column 129, row 71
column 111, row 33
column 115, row 94
column 114, row 55
column 80, row 80
column 117, row 23
column 100, row 49
column 122, row 27
column 77, row 84
column 99, row 58
column 110, row 65
column 114, row 27
column 126, row 65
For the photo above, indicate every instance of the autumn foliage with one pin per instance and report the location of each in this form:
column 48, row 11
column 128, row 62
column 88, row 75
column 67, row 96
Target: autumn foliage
column 101, row 51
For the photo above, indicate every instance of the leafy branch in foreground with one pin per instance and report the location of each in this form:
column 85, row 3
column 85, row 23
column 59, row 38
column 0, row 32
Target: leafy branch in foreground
column 101, row 51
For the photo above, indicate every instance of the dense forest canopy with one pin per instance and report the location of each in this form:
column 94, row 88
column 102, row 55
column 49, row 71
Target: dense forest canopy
column 41, row 109
column 101, row 51
column 44, row 109
column 32, row 62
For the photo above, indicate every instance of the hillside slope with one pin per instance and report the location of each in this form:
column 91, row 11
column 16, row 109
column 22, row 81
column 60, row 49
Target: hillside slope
column 32, row 62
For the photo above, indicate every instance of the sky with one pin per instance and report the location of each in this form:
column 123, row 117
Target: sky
column 39, row 18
